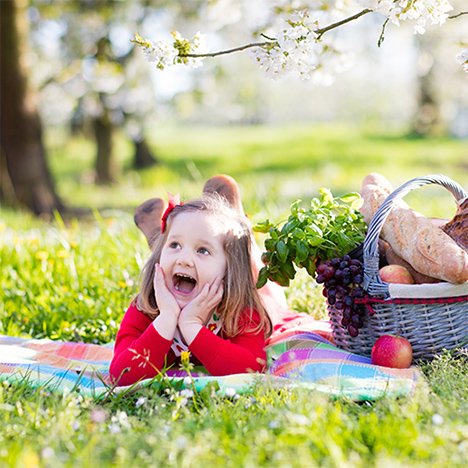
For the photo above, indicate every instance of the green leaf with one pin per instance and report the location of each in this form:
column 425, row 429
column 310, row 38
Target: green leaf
column 263, row 226
column 290, row 225
column 288, row 270
column 295, row 206
column 302, row 251
column 310, row 266
column 262, row 277
column 352, row 199
column 313, row 230
column 282, row 250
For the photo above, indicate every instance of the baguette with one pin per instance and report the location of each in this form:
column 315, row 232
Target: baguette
column 419, row 278
column 413, row 237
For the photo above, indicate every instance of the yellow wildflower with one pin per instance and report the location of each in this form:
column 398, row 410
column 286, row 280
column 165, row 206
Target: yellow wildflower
column 42, row 255
column 62, row 253
column 185, row 358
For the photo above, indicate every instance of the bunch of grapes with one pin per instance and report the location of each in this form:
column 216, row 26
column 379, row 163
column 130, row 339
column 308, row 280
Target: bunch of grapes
column 342, row 279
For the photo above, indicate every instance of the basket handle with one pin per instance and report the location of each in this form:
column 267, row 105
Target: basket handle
column 372, row 282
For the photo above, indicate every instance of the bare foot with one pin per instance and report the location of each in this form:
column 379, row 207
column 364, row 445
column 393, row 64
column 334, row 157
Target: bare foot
column 227, row 187
column 148, row 218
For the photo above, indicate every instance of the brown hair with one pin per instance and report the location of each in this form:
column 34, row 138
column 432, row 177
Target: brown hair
column 240, row 291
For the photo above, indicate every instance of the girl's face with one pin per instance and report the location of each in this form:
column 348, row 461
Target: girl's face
column 193, row 255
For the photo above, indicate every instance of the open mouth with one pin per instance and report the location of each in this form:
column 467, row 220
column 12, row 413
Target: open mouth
column 183, row 283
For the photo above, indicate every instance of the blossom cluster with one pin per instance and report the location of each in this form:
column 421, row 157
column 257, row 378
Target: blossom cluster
column 294, row 35
column 421, row 12
column 165, row 54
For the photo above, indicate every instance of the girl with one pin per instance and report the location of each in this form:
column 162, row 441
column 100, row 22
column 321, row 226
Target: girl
column 198, row 294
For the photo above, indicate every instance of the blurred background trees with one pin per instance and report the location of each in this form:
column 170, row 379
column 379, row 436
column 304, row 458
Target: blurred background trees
column 71, row 65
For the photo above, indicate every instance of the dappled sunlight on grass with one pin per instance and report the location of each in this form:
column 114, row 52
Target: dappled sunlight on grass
column 274, row 164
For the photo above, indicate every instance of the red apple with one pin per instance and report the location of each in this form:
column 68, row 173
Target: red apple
column 396, row 274
column 392, row 351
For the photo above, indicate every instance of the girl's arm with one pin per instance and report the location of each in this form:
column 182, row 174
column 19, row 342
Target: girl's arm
column 140, row 351
column 243, row 353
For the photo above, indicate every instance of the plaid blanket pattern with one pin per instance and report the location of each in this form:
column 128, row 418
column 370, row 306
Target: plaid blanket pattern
column 296, row 359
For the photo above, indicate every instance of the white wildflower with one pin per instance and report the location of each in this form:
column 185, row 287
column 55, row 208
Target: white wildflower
column 181, row 442
column 98, row 416
column 188, row 381
column 186, row 393
column 230, row 392
column 299, row 419
column 114, row 428
column 47, row 452
column 274, row 424
column 437, row 420
column 140, row 402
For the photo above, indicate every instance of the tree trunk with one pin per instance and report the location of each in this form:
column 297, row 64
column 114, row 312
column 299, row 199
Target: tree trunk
column 144, row 157
column 103, row 129
column 21, row 144
column 427, row 119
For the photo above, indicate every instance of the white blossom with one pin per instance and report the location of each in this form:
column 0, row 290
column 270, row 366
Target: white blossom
column 160, row 52
column 462, row 58
column 421, row 12
column 294, row 44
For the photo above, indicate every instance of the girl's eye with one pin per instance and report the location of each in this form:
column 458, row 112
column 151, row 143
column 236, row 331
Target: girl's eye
column 203, row 251
column 174, row 245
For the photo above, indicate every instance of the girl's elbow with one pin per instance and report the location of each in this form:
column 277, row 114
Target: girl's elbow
column 117, row 374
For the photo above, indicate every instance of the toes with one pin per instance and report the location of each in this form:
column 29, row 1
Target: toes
column 148, row 218
column 227, row 187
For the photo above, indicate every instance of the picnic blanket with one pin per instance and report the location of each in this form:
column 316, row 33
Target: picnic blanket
column 297, row 358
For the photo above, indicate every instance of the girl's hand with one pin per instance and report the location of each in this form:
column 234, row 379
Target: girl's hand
column 198, row 311
column 167, row 304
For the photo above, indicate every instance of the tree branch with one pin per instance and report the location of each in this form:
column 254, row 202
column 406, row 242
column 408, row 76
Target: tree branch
column 382, row 33
column 458, row 14
column 320, row 32
column 229, row 51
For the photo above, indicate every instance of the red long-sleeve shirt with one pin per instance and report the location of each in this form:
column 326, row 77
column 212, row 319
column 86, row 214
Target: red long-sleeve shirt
column 140, row 352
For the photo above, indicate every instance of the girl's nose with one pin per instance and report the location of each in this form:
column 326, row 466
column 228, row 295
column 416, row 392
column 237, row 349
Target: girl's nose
column 184, row 259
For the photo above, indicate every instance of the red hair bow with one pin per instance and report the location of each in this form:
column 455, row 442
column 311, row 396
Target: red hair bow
column 173, row 200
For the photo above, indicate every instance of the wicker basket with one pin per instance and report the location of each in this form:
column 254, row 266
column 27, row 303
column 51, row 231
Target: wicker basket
column 431, row 324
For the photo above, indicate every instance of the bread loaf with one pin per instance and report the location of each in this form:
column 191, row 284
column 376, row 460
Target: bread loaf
column 419, row 278
column 457, row 228
column 414, row 237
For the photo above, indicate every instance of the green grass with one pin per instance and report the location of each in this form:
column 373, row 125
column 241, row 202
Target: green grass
column 74, row 281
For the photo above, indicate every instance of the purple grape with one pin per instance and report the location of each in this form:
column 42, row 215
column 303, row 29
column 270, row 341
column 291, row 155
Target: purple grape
column 320, row 279
column 358, row 279
column 353, row 331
